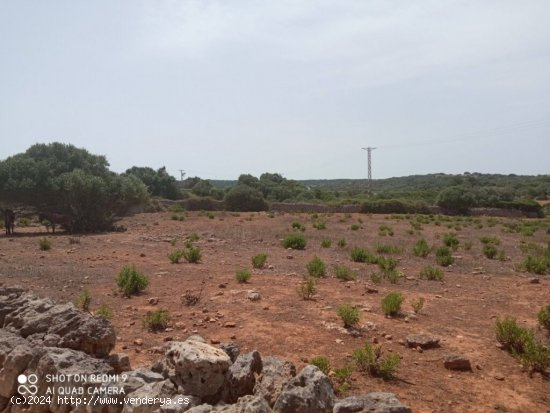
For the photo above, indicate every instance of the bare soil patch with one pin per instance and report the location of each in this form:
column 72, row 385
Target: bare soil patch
column 461, row 310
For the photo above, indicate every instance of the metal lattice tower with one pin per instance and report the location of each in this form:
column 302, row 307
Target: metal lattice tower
column 369, row 152
column 182, row 174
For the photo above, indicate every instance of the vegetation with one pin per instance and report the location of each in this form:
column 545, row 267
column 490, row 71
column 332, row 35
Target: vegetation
column 444, row 257
column 130, row 281
column 104, row 311
column 544, row 318
column 258, row 260
column 192, row 254
column 159, row 182
column 68, row 181
column 342, row 243
column 316, row 267
column 431, row 273
column 384, row 230
column 391, row 303
column 298, row 225
column 326, row 243
column 307, row 288
column 490, row 251
column 44, row 244
column 421, row 248
column 418, row 305
column 344, row 273
column 451, row 241
column 355, row 227
column 243, row 275
column 156, row 320
column 175, row 256
column 243, row 198
column 321, row 362
column 84, row 300
column 387, row 249
column 349, row 315
column 361, row 255
column 295, row 242
column 369, row 360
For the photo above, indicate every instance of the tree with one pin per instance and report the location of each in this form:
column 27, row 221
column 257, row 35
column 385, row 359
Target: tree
column 244, row 198
column 71, row 182
column 159, row 182
column 456, row 199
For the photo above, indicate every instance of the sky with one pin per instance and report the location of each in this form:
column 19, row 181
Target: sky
column 219, row 88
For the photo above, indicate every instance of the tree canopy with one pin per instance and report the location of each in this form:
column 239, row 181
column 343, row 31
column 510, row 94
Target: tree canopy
column 159, row 182
column 71, row 182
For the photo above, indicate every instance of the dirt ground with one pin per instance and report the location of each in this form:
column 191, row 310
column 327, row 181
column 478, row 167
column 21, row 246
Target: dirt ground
column 461, row 310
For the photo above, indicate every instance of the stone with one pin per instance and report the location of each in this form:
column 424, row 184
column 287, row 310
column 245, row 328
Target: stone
column 146, row 375
column 457, row 362
column 196, row 337
column 254, row 296
column 276, row 373
column 534, row 280
column 247, row 404
column 232, row 350
column 15, row 355
column 154, row 391
column 423, row 341
column 153, row 301
column 241, row 377
column 197, row 369
column 119, row 362
column 203, row 408
column 309, row 392
column 179, row 404
column 377, row 402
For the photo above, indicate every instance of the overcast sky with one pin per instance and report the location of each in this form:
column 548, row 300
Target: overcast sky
column 220, row 88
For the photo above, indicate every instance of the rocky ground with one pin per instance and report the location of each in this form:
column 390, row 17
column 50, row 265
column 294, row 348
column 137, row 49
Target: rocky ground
column 460, row 311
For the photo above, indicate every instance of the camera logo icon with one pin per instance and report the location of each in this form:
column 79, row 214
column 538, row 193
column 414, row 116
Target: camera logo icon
column 27, row 384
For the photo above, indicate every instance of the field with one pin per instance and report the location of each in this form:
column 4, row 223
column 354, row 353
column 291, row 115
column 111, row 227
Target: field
column 461, row 309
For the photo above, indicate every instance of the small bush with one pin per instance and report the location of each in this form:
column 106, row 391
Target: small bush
column 512, row 337
column 421, row 248
column 210, row 215
column 467, row 245
column 190, row 298
column 44, row 244
column 490, row 240
column 384, row 230
column 417, row 305
column 307, row 288
column 501, row 255
column 192, row 254
column 544, row 318
column 535, row 356
column 298, row 225
column 295, row 242
column 342, row 243
column 258, row 260
column 130, row 281
column 320, row 225
column 369, row 360
column 193, row 237
column 344, row 273
column 177, row 208
column 104, row 311
column 316, row 267
column 156, row 320
column 243, row 275
column 443, row 257
column 361, row 255
column 391, row 303
column 326, row 243
column 431, row 273
column 355, row 227
column 387, row 249
column 537, row 265
column 386, row 265
column 349, row 315
column 490, row 251
column 451, row 241
column 84, row 300
column 321, row 362
column 342, row 376
column 376, row 278
column 175, row 256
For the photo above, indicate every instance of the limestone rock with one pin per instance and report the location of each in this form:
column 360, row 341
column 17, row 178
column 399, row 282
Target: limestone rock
column 241, row 377
column 377, row 402
column 457, row 362
column 275, row 375
column 119, row 362
column 423, row 341
column 309, row 392
column 159, row 389
column 232, row 350
column 247, row 404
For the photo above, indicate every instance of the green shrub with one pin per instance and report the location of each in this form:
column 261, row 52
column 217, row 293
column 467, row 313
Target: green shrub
column 421, row 248
column 210, row 215
column 544, row 318
column 537, row 265
column 130, row 281
column 104, row 311
column 535, row 356
column 320, row 225
column 321, row 362
column 295, row 242
column 44, row 244
column 431, row 273
column 376, row 278
column 349, row 315
column 298, row 225
column 387, row 265
column 326, row 243
column 84, row 300
column 175, row 256
column 156, row 320
column 451, row 241
column 443, row 257
column 384, row 230
column 361, row 255
column 387, row 249
column 369, row 360
column 258, row 260
column 467, row 245
column 316, row 267
column 490, row 240
column 355, row 227
column 244, row 198
column 243, row 275
column 344, row 273
column 193, row 237
column 417, row 305
column 307, row 288
column 342, row 376
column 192, row 254
column 512, row 337
column 490, row 251
column 342, row 243
column 391, row 303
column 176, row 208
